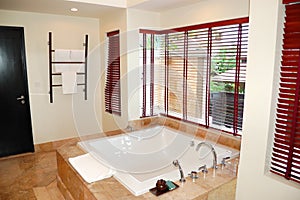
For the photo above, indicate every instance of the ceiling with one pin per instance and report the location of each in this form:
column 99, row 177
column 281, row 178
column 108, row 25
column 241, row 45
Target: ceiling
column 163, row 5
column 92, row 9
column 60, row 7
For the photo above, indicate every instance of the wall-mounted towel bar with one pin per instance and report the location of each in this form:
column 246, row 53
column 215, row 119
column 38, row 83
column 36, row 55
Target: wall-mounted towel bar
column 67, row 63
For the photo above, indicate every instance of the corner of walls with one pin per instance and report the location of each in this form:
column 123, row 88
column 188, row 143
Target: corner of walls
column 128, row 21
column 275, row 86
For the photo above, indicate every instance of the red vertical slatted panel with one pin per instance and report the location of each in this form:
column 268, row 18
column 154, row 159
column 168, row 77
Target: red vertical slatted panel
column 112, row 84
column 166, row 73
column 176, row 59
column 286, row 149
column 185, row 70
column 228, row 66
column 144, row 75
column 151, row 74
column 237, row 81
column 208, row 69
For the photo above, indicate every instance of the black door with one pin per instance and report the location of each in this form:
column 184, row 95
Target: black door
column 15, row 122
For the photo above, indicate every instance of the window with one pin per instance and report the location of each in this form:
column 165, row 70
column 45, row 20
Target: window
column 112, row 83
column 286, row 147
column 197, row 73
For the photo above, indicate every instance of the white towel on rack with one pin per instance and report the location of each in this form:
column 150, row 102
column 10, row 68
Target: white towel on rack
column 61, row 55
column 69, row 71
column 67, row 55
column 77, row 56
column 69, row 82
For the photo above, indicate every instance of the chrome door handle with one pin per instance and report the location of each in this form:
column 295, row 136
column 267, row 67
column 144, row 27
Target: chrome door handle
column 21, row 98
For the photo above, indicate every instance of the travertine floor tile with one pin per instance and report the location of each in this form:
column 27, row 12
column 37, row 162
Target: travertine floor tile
column 29, row 177
column 41, row 193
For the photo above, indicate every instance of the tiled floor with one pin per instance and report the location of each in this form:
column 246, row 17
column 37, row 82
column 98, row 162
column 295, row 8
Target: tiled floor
column 29, row 177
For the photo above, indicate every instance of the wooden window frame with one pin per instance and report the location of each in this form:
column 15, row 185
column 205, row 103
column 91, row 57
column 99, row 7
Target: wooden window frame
column 186, row 30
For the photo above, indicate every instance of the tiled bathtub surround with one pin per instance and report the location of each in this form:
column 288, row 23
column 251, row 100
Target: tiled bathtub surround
column 222, row 186
column 207, row 134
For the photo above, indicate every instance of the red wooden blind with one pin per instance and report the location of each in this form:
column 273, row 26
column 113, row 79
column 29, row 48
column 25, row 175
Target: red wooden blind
column 153, row 75
column 286, row 149
column 112, row 84
column 227, row 78
column 197, row 63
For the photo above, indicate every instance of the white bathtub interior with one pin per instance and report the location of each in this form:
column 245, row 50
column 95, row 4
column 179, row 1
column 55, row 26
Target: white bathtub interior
column 142, row 157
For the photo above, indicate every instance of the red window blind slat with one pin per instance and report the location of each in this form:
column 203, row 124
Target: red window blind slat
column 282, row 152
column 278, row 130
column 282, row 161
column 279, row 156
column 288, row 74
column 112, row 84
column 285, row 157
column 283, row 137
column 281, row 146
column 283, row 121
column 289, row 1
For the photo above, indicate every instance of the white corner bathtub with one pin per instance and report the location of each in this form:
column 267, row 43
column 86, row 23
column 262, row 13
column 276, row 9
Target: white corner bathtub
column 142, row 157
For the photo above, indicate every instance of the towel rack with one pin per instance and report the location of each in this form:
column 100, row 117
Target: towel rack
column 51, row 62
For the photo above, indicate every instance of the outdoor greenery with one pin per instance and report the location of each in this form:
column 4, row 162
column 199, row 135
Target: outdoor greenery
column 222, row 62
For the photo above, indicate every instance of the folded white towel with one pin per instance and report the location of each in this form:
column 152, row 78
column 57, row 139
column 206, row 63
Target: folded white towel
column 69, row 82
column 62, row 55
column 67, row 55
column 77, row 56
column 90, row 169
column 69, row 71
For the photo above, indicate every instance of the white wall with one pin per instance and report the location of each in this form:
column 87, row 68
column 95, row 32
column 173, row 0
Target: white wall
column 205, row 11
column 254, row 180
column 50, row 121
column 136, row 19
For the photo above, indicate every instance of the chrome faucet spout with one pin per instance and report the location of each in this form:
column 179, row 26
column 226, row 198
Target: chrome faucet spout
column 176, row 164
column 129, row 128
column 213, row 151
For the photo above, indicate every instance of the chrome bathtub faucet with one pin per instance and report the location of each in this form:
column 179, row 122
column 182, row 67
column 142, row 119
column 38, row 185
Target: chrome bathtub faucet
column 223, row 162
column 213, row 151
column 176, row 164
column 203, row 169
column 129, row 128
